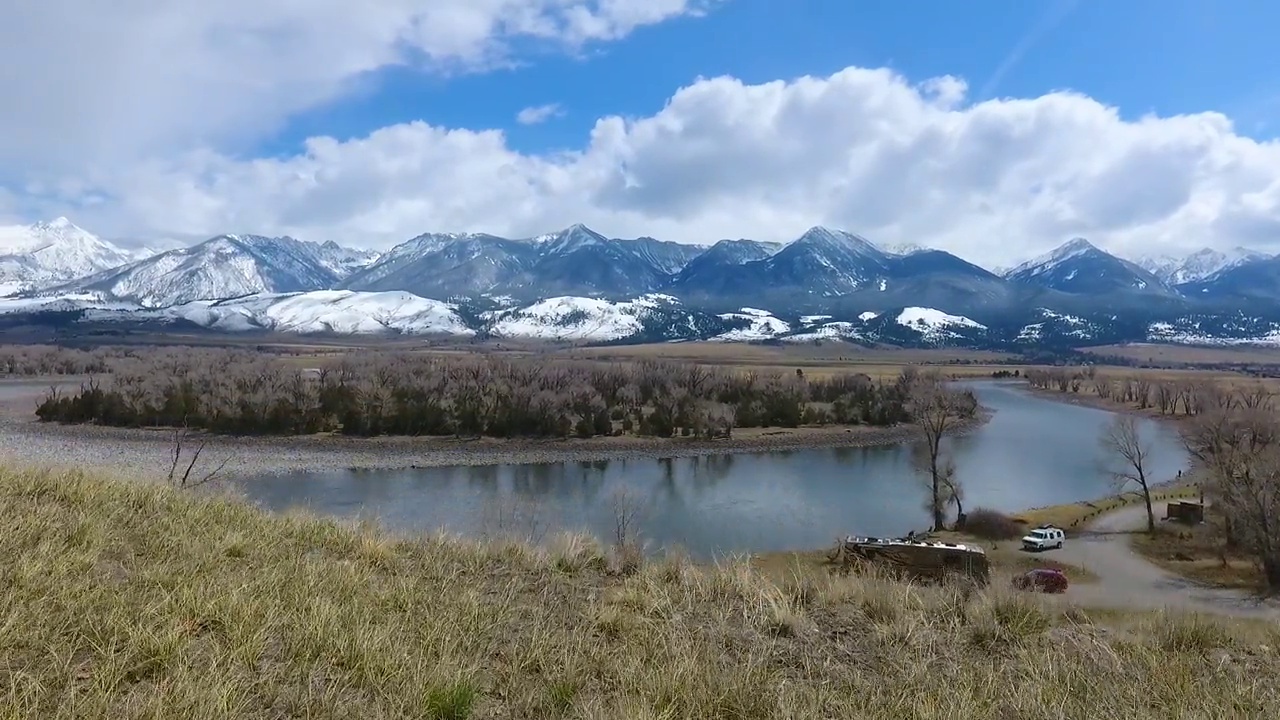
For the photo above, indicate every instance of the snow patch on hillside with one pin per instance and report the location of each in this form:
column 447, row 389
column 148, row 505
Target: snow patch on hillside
column 762, row 325
column 1163, row 332
column 64, row 303
column 342, row 312
column 828, row 331
column 576, row 318
column 935, row 325
column 1062, row 325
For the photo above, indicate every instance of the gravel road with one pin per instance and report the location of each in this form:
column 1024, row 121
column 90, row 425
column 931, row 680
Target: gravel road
column 1126, row 580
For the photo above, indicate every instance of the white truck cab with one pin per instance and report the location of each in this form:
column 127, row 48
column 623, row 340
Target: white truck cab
column 1044, row 538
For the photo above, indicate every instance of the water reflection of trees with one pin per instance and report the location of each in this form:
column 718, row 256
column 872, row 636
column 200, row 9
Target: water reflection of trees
column 540, row 480
column 710, row 470
column 486, row 477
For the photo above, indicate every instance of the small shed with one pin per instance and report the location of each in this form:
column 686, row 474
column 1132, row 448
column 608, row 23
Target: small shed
column 1191, row 513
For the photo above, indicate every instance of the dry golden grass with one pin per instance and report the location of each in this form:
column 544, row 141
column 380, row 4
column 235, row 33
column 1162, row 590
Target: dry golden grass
column 1185, row 354
column 816, row 362
column 131, row 601
column 1006, row 557
column 1198, row 553
column 1072, row 515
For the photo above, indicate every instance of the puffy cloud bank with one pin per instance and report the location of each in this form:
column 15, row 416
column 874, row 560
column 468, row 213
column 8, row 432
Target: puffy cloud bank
column 898, row 160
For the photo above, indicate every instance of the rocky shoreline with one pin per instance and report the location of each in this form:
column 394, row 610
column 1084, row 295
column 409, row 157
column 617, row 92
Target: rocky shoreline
column 147, row 454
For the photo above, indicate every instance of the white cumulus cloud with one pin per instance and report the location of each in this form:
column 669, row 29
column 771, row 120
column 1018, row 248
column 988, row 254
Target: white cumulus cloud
column 97, row 84
column 899, row 160
column 539, row 114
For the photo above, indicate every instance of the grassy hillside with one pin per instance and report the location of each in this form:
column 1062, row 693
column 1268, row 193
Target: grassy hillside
column 122, row 600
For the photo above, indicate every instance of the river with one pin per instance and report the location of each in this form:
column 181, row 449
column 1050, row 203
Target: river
column 1033, row 452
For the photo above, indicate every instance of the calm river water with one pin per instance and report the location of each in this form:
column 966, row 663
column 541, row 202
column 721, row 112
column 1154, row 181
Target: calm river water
column 1033, row 452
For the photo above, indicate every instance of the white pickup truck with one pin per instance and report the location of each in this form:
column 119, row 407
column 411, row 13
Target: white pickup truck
column 1043, row 538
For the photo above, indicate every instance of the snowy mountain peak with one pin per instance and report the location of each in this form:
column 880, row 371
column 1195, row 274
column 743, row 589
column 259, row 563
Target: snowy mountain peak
column 1081, row 268
column 1074, row 247
column 225, row 266
column 1199, row 265
column 573, row 238
column 422, row 245
column 46, row 253
column 58, row 223
column 825, row 236
column 905, row 249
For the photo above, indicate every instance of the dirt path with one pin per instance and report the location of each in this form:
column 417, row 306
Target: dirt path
column 1126, row 580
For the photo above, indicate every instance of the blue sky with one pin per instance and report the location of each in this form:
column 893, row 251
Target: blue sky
column 321, row 120
column 1143, row 56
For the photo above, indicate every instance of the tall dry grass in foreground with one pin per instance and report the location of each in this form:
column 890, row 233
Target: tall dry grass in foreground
column 123, row 600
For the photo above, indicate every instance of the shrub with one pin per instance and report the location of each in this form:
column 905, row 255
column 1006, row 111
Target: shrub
column 399, row 393
column 991, row 524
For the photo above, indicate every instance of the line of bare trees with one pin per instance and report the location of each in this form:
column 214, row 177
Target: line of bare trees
column 377, row 393
column 33, row 360
column 1183, row 396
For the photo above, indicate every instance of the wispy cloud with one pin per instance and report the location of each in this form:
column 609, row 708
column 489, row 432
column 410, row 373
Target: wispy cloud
column 1053, row 15
column 539, row 114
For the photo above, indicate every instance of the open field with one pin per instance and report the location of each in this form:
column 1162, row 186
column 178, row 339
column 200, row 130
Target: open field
column 126, row 600
column 1159, row 354
column 820, row 361
column 814, row 361
column 789, row 353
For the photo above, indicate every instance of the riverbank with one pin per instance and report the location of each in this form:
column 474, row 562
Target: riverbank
column 1074, row 515
column 132, row 600
column 1086, row 398
column 147, row 454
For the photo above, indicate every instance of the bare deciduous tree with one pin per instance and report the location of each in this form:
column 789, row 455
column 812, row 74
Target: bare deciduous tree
column 1240, row 449
column 515, row 517
column 937, row 409
column 185, row 480
column 951, row 484
column 1166, row 397
column 628, row 512
column 950, row 491
column 391, row 393
column 1123, row 440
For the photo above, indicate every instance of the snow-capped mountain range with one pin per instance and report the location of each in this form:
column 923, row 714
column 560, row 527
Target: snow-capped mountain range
column 226, row 266
column 1200, row 265
column 581, row 286
column 47, row 253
